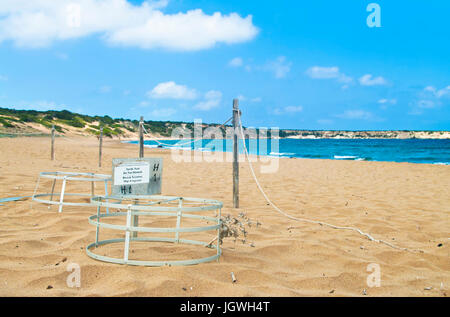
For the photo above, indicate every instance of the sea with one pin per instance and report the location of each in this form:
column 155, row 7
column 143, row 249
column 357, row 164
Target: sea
column 424, row 151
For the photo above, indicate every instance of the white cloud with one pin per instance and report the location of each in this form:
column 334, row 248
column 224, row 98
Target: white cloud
column 429, row 98
column 171, row 90
column 236, row 62
column 438, row 93
column 421, row 105
column 118, row 22
column 357, row 115
column 292, row 109
column 288, row 110
column 384, row 103
column 319, row 72
column 211, row 100
column 280, row 67
column 105, row 89
column 426, row 104
column 162, row 113
column 62, row 56
column 388, row 101
column 41, row 105
column 3, row 78
column 256, row 99
column 367, row 80
column 143, row 104
column 324, row 121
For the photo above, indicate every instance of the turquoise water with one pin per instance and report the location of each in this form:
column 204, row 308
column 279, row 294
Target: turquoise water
column 390, row 150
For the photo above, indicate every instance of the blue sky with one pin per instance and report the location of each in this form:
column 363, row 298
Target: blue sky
column 293, row 64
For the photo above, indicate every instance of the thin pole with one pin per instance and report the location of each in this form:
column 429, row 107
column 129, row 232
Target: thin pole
column 100, row 148
column 177, row 234
column 235, row 154
column 61, row 198
column 53, row 142
column 141, row 138
column 127, row 236
column 53, row 189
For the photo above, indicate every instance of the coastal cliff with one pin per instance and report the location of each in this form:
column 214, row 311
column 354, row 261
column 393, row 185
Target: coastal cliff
column 30, row 122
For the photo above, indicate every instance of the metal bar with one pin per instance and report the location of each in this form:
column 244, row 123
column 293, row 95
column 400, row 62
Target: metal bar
column 106, row 195
column 98, row 226
column 53, row 189
column 149, row 263
column 180, row 206
column 135, row 221
column 127, row 235
column 235, row 154
column 61, row 198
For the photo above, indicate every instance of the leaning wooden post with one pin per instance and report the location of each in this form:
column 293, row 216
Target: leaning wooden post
column 100, row 148
column 53, row 142
column 141, row 138
column 235, row 153
column 141, row 155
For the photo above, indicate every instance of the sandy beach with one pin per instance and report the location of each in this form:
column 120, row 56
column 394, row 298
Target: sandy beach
column 403, row 203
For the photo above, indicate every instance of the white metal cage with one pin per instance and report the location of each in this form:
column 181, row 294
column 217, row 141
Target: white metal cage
column 132, row 207
column 47, row 198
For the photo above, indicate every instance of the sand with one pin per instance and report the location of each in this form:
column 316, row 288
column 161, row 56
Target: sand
column 405, row 204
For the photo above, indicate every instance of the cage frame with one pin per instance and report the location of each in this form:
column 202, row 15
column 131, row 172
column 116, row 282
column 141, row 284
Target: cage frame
column 65, row 177
column 131, row 229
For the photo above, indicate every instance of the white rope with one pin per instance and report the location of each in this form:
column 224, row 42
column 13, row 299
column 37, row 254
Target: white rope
column 304, row 219
column 166, row 144
column 179, row 144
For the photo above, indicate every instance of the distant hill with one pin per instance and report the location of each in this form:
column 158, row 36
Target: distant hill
column 32, row 122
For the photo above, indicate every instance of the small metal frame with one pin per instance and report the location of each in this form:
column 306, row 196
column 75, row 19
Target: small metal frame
column 65, row 177
column 155, row 205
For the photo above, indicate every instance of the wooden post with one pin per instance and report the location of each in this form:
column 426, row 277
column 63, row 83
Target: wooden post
column 141, row 138
column 141, row 155
column 100, row 148
column 235, row 153
column 53, row 142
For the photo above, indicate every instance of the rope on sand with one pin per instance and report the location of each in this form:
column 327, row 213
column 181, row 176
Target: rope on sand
column 367, row 235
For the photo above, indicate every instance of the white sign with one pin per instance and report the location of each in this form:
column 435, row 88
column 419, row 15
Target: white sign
column 129, row 174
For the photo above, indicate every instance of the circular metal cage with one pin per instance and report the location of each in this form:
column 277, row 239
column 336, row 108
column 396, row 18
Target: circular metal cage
column 47, row 198
column 132, row 207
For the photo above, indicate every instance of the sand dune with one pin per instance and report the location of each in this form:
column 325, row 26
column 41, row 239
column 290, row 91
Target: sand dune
column 405, row 204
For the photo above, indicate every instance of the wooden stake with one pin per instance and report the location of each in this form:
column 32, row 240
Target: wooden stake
column 141, row 138
column 53, row 142
column 235, row 153
column 233, row 278
column 100, row 148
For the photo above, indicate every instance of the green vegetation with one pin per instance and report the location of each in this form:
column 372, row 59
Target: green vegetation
column 6, row 123
column 10, row 120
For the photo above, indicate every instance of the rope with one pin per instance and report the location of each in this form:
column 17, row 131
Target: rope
column 180, row 144
column 166, row 144
column 304, row 219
